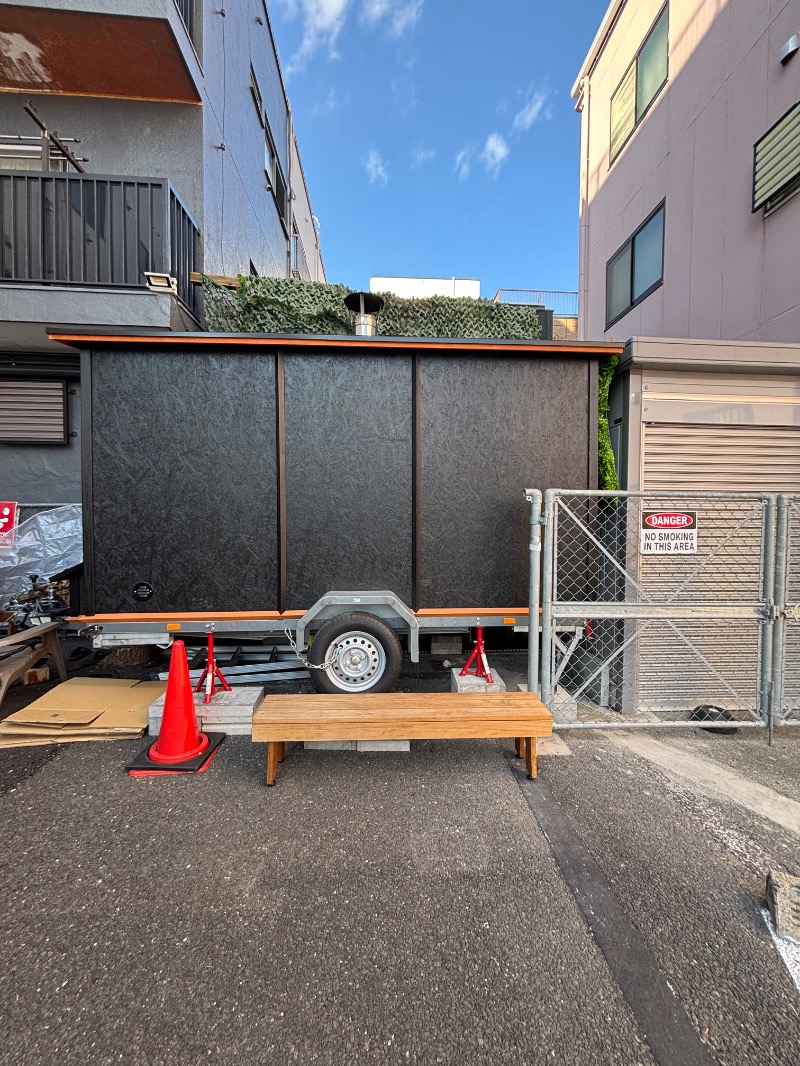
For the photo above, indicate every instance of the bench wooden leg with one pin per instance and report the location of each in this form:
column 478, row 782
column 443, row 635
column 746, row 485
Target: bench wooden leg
column 272, row 761
column 281, row 750
column 530, row 756
column 519, row 744
column 52, row 647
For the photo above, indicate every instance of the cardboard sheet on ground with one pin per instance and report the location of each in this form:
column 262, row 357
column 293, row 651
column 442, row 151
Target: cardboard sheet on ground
column 83, row 708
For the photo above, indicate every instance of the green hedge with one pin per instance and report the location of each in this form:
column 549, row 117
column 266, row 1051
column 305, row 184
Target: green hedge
column 606, row 467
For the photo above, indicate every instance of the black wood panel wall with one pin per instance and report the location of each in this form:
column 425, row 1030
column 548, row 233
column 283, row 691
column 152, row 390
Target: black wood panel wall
column 348, row 475
column 245, row 479
column 183, row 480
column 490, row 427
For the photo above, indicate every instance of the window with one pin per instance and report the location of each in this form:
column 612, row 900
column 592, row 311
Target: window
column 28, row 157
column 275, row 180
column 643, row 81
column 256, row 94
column 637, row 268
column 776, row 162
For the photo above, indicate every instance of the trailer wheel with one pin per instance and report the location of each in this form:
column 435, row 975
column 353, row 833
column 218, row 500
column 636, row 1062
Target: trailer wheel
column 362, row 652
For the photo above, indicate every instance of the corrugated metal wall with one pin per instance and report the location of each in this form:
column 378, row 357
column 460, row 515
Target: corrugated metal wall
column 731, row 458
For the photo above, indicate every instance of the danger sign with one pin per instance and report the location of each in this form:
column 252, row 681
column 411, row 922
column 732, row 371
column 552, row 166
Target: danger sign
column 668, row 532
column 8, row 524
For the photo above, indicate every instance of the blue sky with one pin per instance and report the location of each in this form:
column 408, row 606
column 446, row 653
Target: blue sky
column 438, row 137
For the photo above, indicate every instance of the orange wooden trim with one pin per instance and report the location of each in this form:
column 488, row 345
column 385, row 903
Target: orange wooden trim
column 263, row 616
column 189, row 616
column 470, row 612
column 415, row 343
column 193, row 101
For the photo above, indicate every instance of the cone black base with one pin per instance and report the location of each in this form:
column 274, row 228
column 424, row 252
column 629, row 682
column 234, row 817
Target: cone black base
column 143, row 764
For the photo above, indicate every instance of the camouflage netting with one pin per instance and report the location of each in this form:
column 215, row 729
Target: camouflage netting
column 285, row 305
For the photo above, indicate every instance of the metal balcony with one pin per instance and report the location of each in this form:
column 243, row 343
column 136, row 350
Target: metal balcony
column 95, row 231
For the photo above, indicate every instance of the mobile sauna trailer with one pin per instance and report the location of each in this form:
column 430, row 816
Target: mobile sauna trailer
column 357, row 490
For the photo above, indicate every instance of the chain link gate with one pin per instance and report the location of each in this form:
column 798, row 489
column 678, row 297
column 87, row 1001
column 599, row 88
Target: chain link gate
column 786, row 657
column 657, row 608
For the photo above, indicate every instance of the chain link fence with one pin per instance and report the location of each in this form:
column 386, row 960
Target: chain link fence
column 656, row 608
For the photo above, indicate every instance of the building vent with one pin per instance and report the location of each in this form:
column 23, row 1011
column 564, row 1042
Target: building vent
column 33, row 411
column 776, row 165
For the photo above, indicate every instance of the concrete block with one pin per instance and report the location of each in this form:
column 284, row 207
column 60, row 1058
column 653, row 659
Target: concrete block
column 384, row 745
column 783, row 899
column 330, row 745
column 229, row 712
column 470, row 683
column 446, row 645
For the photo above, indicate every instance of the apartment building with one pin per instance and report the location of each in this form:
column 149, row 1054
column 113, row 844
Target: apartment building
column 136, row 137
column 690, row 162
column 689, row 238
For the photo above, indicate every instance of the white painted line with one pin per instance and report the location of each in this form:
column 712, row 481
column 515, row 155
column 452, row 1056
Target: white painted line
column 711, row 779
column 789, row 950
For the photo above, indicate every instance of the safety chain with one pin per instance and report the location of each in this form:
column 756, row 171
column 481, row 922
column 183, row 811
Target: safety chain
column 304, row 659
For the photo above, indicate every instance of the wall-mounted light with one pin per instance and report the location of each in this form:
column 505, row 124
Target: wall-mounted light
column 789, row 49
column 161, row 282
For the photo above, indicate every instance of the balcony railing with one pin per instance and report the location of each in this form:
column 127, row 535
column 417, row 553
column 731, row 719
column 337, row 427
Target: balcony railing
column 85, row 230
column 562, row 304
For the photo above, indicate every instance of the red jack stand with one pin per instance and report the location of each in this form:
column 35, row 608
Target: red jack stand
column 482, row 666
column 211, row 672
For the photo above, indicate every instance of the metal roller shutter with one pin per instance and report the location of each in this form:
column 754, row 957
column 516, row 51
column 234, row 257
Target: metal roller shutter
column 729, row 458
column 733, row 458
column 33, row 411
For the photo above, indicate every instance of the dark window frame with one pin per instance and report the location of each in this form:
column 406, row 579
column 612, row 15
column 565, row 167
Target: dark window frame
column 789, row 187
column 255, row 92
column 637, row 118
column 631, row 241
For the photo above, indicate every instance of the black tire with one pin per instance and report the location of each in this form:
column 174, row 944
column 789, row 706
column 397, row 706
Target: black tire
column 368, row 655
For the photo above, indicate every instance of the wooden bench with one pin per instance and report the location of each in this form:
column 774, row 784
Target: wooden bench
column 45, row 642
column 401, row 716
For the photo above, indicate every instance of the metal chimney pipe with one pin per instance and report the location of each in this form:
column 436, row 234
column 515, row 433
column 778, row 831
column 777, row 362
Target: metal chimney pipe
column 366, row 307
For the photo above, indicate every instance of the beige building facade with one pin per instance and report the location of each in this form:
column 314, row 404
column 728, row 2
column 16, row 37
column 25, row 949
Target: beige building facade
column 690, row 162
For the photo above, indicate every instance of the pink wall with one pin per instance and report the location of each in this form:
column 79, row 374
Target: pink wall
column 728, row 273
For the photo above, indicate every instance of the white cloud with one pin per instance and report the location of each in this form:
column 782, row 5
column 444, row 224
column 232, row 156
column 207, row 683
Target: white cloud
column 405, row 16
column 464, row 162
column 398, row 15
column 494, row 154
column 326, row 106
column 322, row 23
column 421, row 155
column 533, row 109
column 376, row 168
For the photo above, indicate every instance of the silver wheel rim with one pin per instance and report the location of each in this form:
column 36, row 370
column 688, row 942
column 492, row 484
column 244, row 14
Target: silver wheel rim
column 357, row 661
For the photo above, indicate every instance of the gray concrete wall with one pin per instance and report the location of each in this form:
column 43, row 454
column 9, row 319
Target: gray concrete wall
column 225, row 190
column 45, row 473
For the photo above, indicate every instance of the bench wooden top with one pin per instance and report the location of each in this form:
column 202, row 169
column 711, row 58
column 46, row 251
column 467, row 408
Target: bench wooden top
column 411, row 716
column 26, row 635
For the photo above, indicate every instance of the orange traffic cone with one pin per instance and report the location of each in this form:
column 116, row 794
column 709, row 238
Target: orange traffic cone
column 181, row 748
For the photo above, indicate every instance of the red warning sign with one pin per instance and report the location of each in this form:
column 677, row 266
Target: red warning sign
column 8, row 523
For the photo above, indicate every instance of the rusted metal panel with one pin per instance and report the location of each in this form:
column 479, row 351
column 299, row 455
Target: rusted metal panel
column 119, row 56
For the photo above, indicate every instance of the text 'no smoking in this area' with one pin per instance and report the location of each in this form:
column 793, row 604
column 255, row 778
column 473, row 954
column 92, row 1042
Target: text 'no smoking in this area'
column 668, row 532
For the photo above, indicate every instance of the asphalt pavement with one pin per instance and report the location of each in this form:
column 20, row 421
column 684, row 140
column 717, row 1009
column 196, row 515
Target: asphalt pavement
column 431, row 907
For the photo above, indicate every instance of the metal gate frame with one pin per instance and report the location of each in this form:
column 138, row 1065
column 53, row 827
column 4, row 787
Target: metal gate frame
column 785, row 709
column 771, row 610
